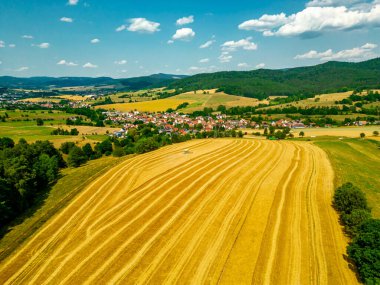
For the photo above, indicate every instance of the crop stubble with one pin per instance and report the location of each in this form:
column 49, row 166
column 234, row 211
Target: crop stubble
column 229, row 211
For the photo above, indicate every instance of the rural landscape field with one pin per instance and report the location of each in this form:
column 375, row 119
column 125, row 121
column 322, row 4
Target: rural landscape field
column 203, row 216
column 184, row 142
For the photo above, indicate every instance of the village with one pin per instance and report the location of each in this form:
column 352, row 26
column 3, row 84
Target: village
column 185, row 124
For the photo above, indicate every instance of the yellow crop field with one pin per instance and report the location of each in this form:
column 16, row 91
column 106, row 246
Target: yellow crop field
column 146, row 106
column 225, row 211
column 41, row 99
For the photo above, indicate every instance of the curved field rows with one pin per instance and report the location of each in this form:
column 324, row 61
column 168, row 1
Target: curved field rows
column 228, row 211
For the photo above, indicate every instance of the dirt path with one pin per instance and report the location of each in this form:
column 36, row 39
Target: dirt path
column 229, row 212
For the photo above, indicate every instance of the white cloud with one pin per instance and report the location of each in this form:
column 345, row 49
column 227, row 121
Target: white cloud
column 90, row 65
column 67, row 63
column 184, row 34
column 120, row 62
column 42, row 45
column 225, row 57
column 1, row 62
column 28, row 37
column 141, row 25
column 315, row 20
column 354, row 54
column 193, row 68
column 185, row 21
column 12, row 45
column 2, row 44
column 314, row 54
column 260, row 65
column 170, row 42
column 207, row 44
column 95, row 41
column 332, row 3
column 66, row 19
column 245, row 44
column 264, row 23
column 204, row 60
column 73, row 2
column 242, row 64
column 23, row 68
column 121, row 28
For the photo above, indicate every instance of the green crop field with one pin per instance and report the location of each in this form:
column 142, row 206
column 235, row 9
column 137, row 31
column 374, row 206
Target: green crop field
column 356, row 161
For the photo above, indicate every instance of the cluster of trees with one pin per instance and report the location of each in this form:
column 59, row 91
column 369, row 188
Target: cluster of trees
column 62, row 132
column 364, row 250
column 106, row 101
column 280, row 134
column 369, row 98
column 96, row 117
column 26, row 171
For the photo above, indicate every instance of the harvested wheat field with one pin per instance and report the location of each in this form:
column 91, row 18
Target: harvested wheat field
column 225, row 211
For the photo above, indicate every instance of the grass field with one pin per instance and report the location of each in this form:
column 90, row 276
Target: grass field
column 17, row 115
column 70, row 184
column 31, row 132
column 356, row 161
column 227, row 211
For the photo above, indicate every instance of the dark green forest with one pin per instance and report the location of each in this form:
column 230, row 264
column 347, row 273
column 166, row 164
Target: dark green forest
column 26, row 172
column 301, row 82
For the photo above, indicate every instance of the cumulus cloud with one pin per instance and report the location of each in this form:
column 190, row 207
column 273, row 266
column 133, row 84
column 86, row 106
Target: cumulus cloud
column 73, row 2
column 120, row 62
column 12, row 45
column 95, row 41
column 333, row 3
column 23, row 68
column 42, row 45
column 242, row 64
column 225, row 57
column 184, row 34
column 140, row 25
column 121, row 28
column 170, row 42
column 354, row 54
column 315, row 20
column 28, row 37
column 66, row 20
column 260, row 65
column 90, row 65
column 264, row 23
column 2, row 44
column 314, row 54
column 207, row 44
column 204, row 60
column 67, row 63
column 245, row 44
column 185, row 21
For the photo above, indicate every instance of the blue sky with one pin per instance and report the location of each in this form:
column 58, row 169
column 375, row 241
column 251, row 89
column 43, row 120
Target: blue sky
column 132, row 38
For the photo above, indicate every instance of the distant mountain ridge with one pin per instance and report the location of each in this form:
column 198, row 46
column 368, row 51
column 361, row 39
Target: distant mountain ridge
column 300, row 81
column 134, row 83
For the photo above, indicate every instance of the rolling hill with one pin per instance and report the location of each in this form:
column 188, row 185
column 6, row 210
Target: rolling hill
column 301, row 81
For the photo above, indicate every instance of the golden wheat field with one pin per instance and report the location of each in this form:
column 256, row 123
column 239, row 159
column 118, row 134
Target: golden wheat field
column 226, row 211
column 146, row 106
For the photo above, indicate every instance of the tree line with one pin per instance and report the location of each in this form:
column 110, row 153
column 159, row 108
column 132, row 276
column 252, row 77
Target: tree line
column 364, row 249
column 26, row 172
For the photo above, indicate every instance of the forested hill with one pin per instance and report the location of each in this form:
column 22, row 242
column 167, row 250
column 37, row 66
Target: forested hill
column 302, row 81
column 134, row 83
